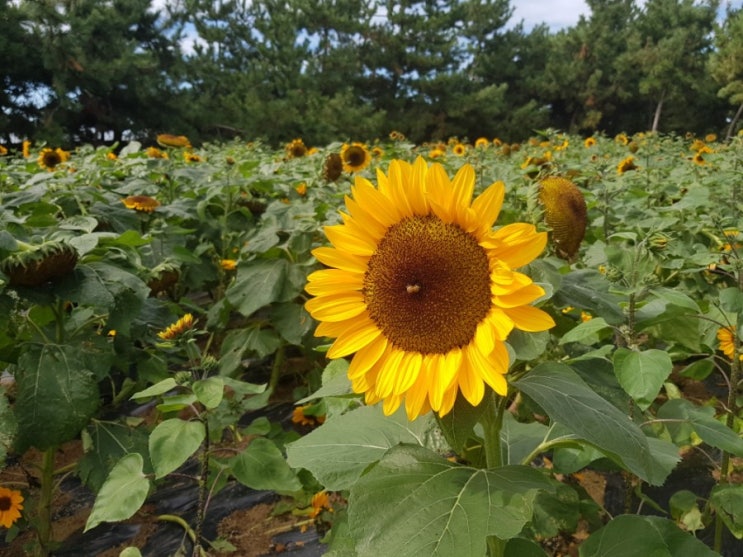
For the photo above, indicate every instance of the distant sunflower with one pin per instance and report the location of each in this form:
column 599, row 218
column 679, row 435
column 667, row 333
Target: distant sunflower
column 142, row 203
column 423, row 290
column 192, row 157
column 50, row 158
column 175, row 330
column 3, row 150
column 397, row 136
column 301, row 188
column 296, row 149
column 356, row 157
column 482, row 142
column 228, row 264
column 155, row 153
column 626, row 165
column 26, row 149
column 459, row 149
column 11, row 505
column 589, row 142
column 726, row 336
column 169, row 140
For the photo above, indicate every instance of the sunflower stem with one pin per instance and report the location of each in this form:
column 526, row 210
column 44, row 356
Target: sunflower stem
column 44, row 508
column 492, row 423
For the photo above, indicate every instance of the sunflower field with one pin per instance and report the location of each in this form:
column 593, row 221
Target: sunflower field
column 454, row 349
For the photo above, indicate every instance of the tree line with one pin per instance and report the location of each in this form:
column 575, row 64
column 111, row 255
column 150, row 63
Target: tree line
column 325, row 70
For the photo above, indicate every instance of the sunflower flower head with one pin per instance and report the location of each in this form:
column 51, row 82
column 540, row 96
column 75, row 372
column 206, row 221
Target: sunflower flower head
column 422, row 290
column 51, row 158
column 141, row 203
column 11, row 505
column 178, row 328
column 626, row 165
column 155, row 153
column 726, row 336
column 565, row 213
column 355, row 157
column 296, row 149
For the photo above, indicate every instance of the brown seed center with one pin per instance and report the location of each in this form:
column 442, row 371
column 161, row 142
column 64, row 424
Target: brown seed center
column 427, row 286
column 5, row 504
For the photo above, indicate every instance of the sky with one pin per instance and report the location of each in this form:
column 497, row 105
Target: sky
column 557, row 14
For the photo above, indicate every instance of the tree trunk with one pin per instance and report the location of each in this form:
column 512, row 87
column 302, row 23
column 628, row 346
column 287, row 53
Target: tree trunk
column 734, row 122
column 658, row 109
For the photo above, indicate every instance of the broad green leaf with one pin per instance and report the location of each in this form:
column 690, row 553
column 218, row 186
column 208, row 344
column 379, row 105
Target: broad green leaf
column 157, row 389
column 586, row 332
column 240, row 341
column 122, row 494
column 262, row 466
column 416, row 503
column 56, row 396
column 587, row 288
column 520, row 547
column 257, row 285
column 643, row 536
column 727, row 500
column 568, row 400
column 528, row 346
column 731, row 299
column 519, row 439
column 172, row 442
column 459, row 424
column 335, row 382
column 339, row 451
column 209, row 391
column 292, row 321
column 681, row 414
column 641, row 374
column 699, row 370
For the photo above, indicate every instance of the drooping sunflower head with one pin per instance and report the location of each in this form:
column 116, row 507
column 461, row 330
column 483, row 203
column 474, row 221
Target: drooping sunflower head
column 356, row 157
column 141, row 203
column 332, row 168
column 565, row 213
column 422, row 290
column 728, row 342
column 178, row 328
column 626, row 165
column 39, row 264
column 11, row 505
column 170, row 140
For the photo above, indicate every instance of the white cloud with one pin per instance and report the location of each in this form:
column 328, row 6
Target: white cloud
column 557, row 14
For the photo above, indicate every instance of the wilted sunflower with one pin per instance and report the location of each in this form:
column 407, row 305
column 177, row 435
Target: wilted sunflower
column 626, row 165
column 11, row 505
column 726, row 336
column 34, row 265
column 296, row 149
column 142, row 203
column 50, row 158
column 356, row 157
column 423, row 290
column 168, row 140
column 332, row 168
column 175, row 330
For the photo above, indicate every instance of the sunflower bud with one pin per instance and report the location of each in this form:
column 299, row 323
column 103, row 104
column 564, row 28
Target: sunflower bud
column 35, row 265
column 565, row 213
column 657, row 242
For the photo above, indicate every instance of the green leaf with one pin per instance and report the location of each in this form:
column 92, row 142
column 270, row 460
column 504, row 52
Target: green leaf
column 335, row 382
column 643, row 536
column 339, row 451
column 699, row 370
column 130, row 552
column 727, row 500
column 56, row 397
column 292, row 321
column 416, row 503
column 262, row 466
column 731, row 299
column 122, row 494
column 520, row 547
column 239, row 341
column 586, row 332
column 681, row 414
column 568, row 400
column 257, row 284
column 519, row 439
column 459, row 424
column 589, row 289
column 157, row 389
column 172, row 442
column 641, row 374
column 528, row 346
column 209, row 391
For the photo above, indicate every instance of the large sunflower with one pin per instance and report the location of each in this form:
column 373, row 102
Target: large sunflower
column 423, row 290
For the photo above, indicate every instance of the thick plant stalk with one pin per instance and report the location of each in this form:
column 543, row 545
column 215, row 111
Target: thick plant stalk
column 44, row 507
column 492, row 423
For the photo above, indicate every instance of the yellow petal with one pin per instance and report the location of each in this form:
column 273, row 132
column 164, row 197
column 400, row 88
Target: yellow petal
column 416, row 399
column 516, row 244
column 340, row 260
column 488, row 204
column 470, row 383
column 485, row 337
column 337, row 307
column 354, row 339
column 391, row 404
column 342, row 238
column 376, row 204
column 500, row 322
column 408, row 372
column 444, row 371
column 330, row 281
column 463, row 185
column 520, row 297
column 529, row 318
column 450, row 397
column 363, row 221
column 389, row 372
column 367, row 357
